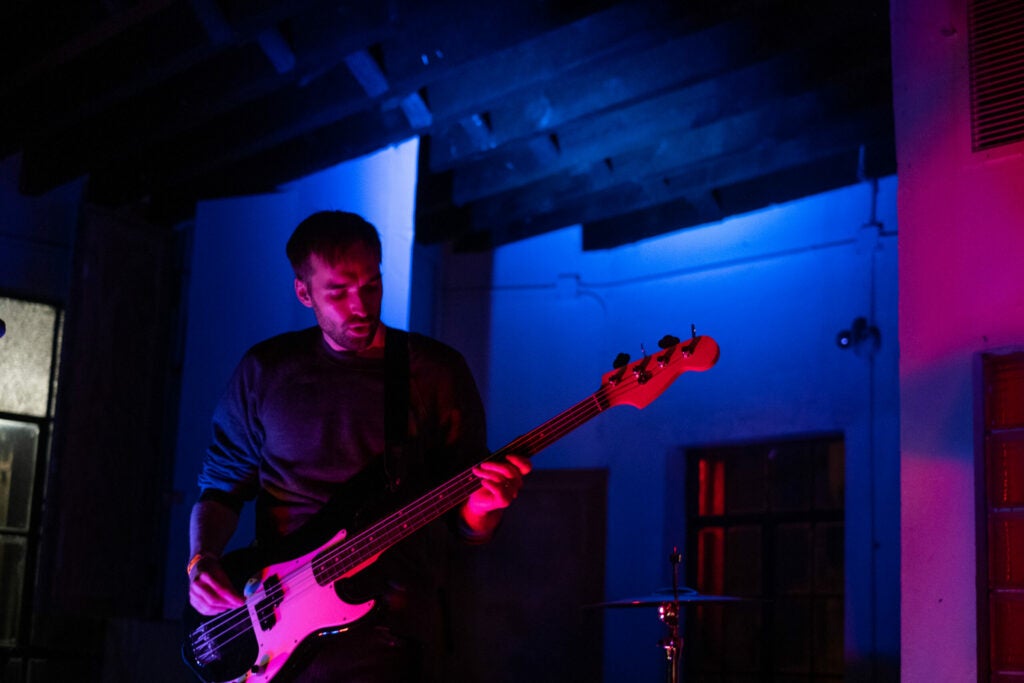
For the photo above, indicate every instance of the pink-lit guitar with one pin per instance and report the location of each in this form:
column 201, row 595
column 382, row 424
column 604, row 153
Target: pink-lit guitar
column 291, row 602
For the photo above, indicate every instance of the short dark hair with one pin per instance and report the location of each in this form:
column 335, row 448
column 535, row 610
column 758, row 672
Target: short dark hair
column 329, row 234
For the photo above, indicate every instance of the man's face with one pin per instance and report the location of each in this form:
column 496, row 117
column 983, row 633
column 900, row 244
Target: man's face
column 345, row 297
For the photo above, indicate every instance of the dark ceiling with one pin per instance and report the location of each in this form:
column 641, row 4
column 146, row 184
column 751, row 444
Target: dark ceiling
column 630, row 118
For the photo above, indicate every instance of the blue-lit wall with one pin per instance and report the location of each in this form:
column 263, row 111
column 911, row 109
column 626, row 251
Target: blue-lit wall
column 773, row 288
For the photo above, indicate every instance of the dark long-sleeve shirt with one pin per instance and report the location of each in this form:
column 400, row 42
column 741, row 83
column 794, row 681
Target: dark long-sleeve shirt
column 299, row 419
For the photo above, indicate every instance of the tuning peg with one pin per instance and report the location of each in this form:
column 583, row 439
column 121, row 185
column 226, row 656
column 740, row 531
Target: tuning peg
column 621, row 361
column 667, row 341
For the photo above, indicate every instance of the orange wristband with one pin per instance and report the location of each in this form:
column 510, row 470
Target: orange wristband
column 193, row 562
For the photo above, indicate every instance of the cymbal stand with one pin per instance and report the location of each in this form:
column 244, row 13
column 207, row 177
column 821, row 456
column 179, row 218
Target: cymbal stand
column 668, row 611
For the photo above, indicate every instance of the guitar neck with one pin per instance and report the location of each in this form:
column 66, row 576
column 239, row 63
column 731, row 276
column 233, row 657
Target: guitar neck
column 636, row 384
column 337, row 561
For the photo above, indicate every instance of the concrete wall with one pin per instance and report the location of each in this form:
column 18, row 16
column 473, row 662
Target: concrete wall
column 961, row 293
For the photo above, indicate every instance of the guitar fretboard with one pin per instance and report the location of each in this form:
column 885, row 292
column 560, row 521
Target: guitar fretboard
column 337, row 561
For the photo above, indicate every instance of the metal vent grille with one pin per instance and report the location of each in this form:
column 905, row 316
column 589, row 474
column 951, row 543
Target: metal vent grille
column 997, row 72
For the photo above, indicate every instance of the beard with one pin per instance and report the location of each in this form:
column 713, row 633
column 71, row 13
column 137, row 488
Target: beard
column 350, row 339
column 351, row 335
column 354, row 333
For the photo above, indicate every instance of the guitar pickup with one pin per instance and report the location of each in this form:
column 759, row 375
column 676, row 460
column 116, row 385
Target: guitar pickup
column 266, row 609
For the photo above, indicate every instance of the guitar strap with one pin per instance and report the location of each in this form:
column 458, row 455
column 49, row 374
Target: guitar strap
column 396, row 406
column 395, row 463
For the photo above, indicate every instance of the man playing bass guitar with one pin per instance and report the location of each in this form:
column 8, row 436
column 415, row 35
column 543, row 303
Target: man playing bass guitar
column 303, row 430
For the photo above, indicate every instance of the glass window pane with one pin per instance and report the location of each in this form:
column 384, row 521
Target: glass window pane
column 11, row 670
column 828, row 637
column 793, row 634
column 1007, row 633
column 1006, row 551
column 743, row 571
column 744, row 484
column 792, row 477
column 25, row 356
column 1004, row 405
column 1005, row 470
column 828, row 557
column 12, row 572
column 794, row 544
column 711, row 473
column 829, row 477
column 19, row 442
column 711, row 552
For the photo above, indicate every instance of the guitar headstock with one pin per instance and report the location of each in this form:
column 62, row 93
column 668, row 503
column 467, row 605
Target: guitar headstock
column 640, row 382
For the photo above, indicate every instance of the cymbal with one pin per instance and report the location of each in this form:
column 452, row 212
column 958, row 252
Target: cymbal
column 665, row 596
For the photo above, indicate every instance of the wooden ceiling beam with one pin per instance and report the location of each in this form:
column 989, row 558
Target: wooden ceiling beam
column 669, row 148
column 305, row 108
column 688, row 186
column 593, row 87
column 118, row 70
column 742, row 106
column 656, row 54
column 814, row 176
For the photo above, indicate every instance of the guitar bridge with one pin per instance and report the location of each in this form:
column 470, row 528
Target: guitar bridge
column 203, row 648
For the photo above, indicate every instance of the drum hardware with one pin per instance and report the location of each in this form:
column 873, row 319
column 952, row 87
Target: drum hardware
column 668, row 602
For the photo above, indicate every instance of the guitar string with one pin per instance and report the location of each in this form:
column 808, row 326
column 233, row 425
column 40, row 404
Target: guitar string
column 236, row 622
column 437, row 502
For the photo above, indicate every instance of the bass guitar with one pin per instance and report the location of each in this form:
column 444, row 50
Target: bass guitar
column 291, row 602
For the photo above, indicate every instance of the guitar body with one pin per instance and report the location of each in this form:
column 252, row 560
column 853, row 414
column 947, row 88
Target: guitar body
column 286, row 611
